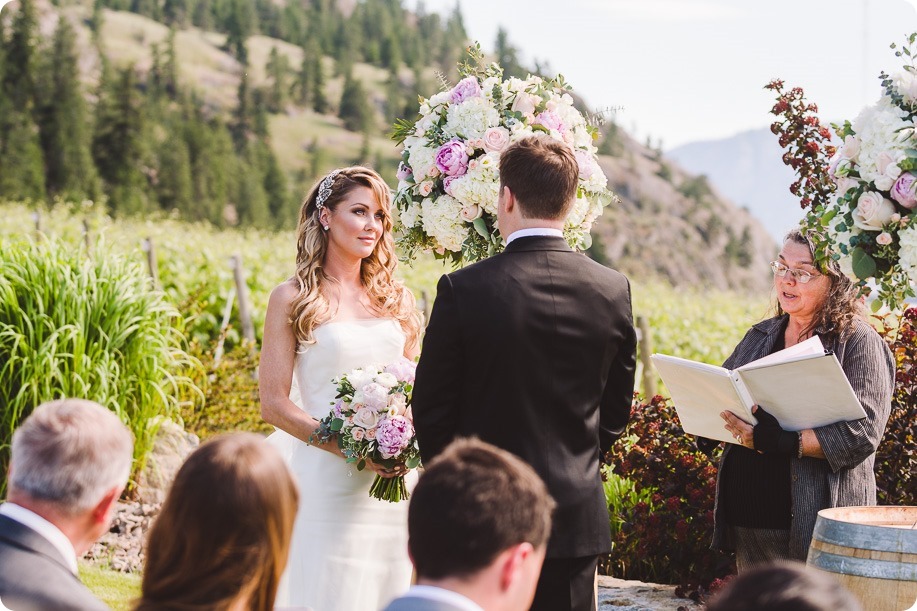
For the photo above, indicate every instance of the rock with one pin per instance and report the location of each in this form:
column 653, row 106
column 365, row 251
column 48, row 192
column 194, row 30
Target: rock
column 122, row 547
column 170, row 448
column 620, row 595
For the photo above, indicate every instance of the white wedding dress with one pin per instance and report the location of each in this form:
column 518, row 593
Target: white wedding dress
column 349, row 551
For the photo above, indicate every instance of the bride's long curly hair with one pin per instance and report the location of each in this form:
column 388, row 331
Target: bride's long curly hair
column 388, row 296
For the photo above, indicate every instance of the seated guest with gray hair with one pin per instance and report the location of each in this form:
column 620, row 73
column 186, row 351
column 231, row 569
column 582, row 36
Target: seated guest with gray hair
column 70, row 463
column 478, row 527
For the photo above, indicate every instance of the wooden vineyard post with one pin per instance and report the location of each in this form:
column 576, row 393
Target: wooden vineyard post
column 245, row 310
column 39, row 230
column 87, row 237
column 151, row 263
column 646, row 350
column 227, row 311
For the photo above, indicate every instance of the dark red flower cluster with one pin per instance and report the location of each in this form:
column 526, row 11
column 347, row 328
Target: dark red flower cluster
column 668, row 539
column 896, row 458
column 807, row 143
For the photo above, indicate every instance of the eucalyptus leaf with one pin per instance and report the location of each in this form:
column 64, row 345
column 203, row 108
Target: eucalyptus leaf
column 481, row 227
column 864, row 266
column 337, row 424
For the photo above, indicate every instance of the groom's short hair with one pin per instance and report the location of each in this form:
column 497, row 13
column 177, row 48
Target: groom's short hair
column 473, row 502
column 543, row 175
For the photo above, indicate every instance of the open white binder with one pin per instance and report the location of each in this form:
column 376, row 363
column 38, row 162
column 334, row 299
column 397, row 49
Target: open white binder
column 802, row 386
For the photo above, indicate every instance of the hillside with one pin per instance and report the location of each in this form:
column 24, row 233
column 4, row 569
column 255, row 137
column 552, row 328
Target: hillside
column 748, row 169
column 669, row 223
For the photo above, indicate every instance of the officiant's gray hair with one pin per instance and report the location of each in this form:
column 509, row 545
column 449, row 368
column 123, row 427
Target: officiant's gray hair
column 843, row 303
column 70, row 453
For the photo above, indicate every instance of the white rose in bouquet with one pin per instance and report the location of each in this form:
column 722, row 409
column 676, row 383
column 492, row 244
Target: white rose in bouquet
column 872, row 211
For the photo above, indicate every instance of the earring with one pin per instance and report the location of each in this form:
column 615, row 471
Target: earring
column 325, row 227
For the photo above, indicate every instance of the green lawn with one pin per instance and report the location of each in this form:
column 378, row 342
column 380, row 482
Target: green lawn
column 117, row 590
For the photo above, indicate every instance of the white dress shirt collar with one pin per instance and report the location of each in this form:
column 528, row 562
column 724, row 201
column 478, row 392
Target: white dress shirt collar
column 524, row 233
column 444, row 596
column 44, row 528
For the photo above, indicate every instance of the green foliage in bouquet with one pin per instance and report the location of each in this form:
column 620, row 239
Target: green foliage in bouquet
column 861, row 198
column 74, row 326
column 665, row 536
column 896, row 457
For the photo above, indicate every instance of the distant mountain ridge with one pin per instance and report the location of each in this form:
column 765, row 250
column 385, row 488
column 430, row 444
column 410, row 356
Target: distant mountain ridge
column 747, row 168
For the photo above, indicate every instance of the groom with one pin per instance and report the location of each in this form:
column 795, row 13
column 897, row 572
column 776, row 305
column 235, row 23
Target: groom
column 533, row 351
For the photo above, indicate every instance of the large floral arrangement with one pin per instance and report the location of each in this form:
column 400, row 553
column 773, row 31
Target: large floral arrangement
column 448, row 177
column 869, row 224
column 371, row 421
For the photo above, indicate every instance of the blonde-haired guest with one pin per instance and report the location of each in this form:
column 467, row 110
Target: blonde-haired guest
column 222, row 538
column 70, row 462
column 342, row 309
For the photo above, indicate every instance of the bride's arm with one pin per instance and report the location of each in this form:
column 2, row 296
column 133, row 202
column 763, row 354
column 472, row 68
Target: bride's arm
column 278, row 353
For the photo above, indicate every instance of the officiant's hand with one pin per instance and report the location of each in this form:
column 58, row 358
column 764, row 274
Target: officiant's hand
column 740, row 430
column 768, row 436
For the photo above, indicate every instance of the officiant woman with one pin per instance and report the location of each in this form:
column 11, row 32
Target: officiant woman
column 772, row 482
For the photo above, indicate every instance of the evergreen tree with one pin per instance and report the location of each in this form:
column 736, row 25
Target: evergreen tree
column 354, row 108
column 22, row 174
column 304, row 79
column 508, row 56
column 175, row 188
column 251, row 199
column 240, row 23
column 118, row 146
column 277, row 68
column 65, row 135
column 21, row 58
column 275, row 186
column 97, row 19
column 319, row 100
column 147, row 8
column 243, row 118
column 178, row 12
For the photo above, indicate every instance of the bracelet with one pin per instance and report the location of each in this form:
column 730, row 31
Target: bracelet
column 799, row 451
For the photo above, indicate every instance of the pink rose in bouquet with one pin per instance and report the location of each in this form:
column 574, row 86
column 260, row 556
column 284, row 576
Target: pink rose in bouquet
column 370, row 421
column 550, row 120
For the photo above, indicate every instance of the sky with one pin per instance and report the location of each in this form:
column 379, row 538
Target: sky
column 682, row 71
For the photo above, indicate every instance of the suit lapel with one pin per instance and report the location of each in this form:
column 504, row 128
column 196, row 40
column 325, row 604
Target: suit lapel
column 21, row 536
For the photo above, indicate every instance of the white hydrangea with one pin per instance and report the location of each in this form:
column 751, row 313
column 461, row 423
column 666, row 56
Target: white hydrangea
column 843, row 237
column 480, row 186
column 578, row 212
column 442, row 220
column 879, row 131
column 421, row 158
column 907, row 253
column 471, row 118
column 410, row 216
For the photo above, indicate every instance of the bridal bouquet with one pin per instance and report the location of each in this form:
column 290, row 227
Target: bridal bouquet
column 371, row 421
column 871, row 221
column 448, row 181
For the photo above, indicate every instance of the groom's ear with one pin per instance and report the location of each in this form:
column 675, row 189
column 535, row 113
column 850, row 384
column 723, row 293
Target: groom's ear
column 509, row 199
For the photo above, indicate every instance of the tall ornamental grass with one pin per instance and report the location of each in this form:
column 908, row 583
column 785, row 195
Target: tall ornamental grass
column 75, row 326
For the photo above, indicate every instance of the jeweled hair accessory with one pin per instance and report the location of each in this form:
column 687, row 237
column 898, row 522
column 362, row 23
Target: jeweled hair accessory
column 324, row 189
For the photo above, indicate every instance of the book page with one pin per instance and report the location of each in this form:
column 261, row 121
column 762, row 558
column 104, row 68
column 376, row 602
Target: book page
column 805, row 393
column 810, row 347
column 700, row 392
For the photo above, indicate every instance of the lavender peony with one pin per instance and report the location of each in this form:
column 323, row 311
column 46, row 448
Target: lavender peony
column 467, row 88
column 393, row 435
column 452, row 159
column 903, row 191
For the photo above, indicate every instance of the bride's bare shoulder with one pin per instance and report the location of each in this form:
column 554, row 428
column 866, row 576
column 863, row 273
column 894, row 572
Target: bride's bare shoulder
column 285, row 292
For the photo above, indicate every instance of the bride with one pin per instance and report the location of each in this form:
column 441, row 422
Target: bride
column 343, row 309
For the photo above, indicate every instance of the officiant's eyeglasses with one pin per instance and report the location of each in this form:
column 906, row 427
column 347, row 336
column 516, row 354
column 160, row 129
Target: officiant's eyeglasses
column 801, row 275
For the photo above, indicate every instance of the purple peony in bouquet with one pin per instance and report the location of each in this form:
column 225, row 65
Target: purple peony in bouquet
column 371, row 421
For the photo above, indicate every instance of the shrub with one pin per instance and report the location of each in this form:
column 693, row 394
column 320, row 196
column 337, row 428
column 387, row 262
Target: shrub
column 896, row 457
column 73, row 326
column 665, row 539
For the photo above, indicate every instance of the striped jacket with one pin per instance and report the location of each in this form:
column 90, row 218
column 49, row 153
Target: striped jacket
column 846, row 478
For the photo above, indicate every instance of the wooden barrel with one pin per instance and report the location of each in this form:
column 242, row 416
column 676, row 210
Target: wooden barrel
column 872, row 551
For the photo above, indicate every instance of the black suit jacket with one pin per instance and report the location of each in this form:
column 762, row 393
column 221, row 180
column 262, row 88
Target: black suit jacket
column 34, row 576
column 533, row 350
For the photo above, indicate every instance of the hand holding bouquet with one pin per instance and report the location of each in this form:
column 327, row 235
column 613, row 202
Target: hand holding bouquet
column 371, row 422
